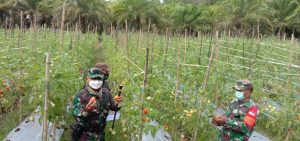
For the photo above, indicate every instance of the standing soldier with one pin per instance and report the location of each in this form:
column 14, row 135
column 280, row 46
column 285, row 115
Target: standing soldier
column 90, row 108
column 240, row 119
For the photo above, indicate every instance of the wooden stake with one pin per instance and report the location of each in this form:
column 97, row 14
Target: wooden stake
column 178, row 72
column 34, row 33
column 20, row 63
column 53, row 132
column 210, row 63
column 287, row 138
column 62, row 25
column 200, row 47
column 76, row 35
column 143, row 93
column 207, row 77
column 185, row 44
column 165, row 52
column 45, row 117
column 127, row 36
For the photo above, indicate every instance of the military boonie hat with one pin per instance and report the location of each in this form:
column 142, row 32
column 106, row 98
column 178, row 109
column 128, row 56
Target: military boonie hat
column 242, row 85
column 103, row 67
column 95, row 72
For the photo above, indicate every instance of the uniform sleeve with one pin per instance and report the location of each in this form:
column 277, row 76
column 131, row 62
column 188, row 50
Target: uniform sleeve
column 78, row 109
column 244, row 126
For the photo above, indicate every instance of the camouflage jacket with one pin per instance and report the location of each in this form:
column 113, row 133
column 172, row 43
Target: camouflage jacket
column 95, row 120
column 241, row 120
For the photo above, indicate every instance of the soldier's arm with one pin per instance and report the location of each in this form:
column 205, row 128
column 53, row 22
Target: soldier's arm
column 243, row 126
column 112, row 104
column 78, row 109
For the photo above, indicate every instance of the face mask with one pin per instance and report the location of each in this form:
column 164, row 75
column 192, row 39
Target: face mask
column 239, row 95
column 95, row 84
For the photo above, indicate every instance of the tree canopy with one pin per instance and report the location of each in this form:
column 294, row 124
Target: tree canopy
column 265, row 16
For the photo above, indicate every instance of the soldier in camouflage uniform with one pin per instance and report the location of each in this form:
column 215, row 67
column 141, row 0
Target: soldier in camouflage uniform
column 90, row 108
column 240, row 119
column 105, row 71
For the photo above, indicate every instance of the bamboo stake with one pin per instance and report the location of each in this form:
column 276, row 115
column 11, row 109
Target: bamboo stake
column 34, row 33
column 127, row 36
column 287, row 138
column 165, row 53
column 152, row 51
column 185, row 44
column 292, row 39
column 143, row 93
column 290, row 61
column 21, row 53
column 45, row 118
column 206, row 79
column 250, row 60
column 178, row 72
column 76, row 35
column 200, row 48
column 117, row 38
column 62, row 25
column 53, row 132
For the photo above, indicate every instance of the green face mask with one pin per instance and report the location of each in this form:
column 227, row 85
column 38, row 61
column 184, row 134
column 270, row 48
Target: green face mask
column 239, row 95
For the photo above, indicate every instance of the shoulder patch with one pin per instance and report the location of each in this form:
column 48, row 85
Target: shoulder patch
column 251, row 115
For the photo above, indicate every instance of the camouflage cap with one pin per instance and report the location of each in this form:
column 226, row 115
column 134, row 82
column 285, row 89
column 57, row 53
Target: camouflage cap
column 242, row 85
column 95, row 72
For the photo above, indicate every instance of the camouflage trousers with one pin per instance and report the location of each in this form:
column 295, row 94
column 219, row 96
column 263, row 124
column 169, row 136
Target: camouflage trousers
column 88, row 136
column 232, row 136
column 79, row 134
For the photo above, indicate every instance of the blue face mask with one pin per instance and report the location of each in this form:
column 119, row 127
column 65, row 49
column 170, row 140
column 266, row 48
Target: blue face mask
column 239, row 95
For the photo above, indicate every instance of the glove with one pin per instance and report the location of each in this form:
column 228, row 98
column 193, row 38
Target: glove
column 91, row 105
column 118, row 99
column 219, row 120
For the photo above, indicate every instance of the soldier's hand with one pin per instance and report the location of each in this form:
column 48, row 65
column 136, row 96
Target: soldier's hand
column 118, row 99
column 91, row 105
column 219, row 120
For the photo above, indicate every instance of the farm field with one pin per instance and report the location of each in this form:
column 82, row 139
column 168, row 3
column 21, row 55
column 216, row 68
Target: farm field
column 177, row 70
column 177, row 93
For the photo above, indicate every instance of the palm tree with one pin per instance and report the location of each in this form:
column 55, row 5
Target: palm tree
column 284, row 12
column 187, row 16
column 92, row 12
column 137, row 12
